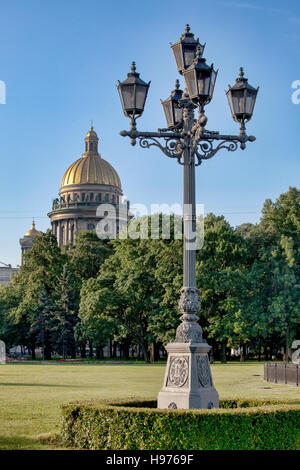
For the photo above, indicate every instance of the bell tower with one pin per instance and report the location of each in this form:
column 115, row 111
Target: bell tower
column 91, row 142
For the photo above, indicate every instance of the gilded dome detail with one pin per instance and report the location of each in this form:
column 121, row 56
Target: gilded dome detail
column 32, row 232
column 91, row 168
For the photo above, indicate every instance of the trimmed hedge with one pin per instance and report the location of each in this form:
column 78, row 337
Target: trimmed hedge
column 238, row 424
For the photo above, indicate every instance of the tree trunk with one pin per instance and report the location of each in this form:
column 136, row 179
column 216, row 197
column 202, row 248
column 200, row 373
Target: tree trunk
column 91, row 350
column 266, row 353
column 259, row 349
column 82, row 350
column 145, row 352
column 157, row 347
column 73, row 348
column 99, row 353
column 223, row 353
column 287, row 341
column 152, row 353
column 33, row 357
column 110, row 348
column 126, row 349
column 243, row 353
column 64, row 351
column 46, row 349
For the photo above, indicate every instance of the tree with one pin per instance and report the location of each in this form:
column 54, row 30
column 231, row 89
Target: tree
column 221, row 268
column 43, row 322
column 66, row 312
column 282, row 219
column 87, row 254
column 272, row 309
column 131, row 290
column 10, row 332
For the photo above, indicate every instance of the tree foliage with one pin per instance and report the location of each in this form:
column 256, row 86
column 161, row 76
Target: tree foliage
column 127, row 289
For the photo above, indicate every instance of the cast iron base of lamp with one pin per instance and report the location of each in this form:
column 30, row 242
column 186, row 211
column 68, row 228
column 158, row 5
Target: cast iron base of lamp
column 188, row 381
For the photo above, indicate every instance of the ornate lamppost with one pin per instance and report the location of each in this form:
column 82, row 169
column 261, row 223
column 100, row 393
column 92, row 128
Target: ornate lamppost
column 188, row 381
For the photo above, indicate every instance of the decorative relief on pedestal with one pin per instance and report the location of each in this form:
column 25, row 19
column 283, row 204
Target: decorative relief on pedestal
column 204, row 376
column 189, row 301
column 178, row 371
column 189, row 332
column 172, row 406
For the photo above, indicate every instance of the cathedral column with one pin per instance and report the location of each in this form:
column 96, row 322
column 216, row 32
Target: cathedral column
column 72, row 231
column 60, row 234
column 55, row 229
column 67, row 231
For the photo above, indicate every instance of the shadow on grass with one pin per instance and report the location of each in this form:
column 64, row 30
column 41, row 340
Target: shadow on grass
column 18, row 384
column 18, row 442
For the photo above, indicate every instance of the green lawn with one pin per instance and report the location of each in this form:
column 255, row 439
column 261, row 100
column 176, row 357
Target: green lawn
column 31, row 394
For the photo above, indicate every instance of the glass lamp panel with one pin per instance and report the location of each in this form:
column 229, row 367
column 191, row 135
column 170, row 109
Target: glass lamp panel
column 189, row 55
column 250, row 101
column 238, row 101
column 127, row 93
column 191, row 83
column 167, row 105
column 178, row 115
column 207, row 85
column 140, row 97
column 203, row 84
column 212, row 83
column 229, row 97
column 178, row 56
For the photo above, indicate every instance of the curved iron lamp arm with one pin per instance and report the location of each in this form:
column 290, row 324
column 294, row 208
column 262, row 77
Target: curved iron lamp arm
column 201, row 144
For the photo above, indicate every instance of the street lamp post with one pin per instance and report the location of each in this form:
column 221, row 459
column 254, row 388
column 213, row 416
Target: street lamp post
column 188, row 381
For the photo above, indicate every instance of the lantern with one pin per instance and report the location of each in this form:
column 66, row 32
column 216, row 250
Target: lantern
column 133, row 93
column 241, row 98
column 171, row 106
column 185, row 49
column 200, row 80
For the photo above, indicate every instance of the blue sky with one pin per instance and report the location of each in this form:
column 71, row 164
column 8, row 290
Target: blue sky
column 61, row 62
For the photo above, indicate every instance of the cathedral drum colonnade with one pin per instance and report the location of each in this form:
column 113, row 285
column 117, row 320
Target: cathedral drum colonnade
column 88, row 182
column 26, row 241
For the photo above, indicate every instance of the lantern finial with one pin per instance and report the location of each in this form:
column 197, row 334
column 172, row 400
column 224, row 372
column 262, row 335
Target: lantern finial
column 133, row 67
column 177, row 84
column 241, row 73
column 187, row 28
column 198, row 52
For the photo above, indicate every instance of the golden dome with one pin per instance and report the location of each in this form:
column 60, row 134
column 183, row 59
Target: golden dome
column 91, row 168
column 32, row 232
column 91, row 134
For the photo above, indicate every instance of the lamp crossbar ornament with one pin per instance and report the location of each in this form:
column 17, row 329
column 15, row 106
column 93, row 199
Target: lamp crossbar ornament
column 188, row 381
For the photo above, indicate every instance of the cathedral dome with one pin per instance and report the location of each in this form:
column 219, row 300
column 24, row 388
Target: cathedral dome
column 32, row 232
column 87, row 187
column 90, row 168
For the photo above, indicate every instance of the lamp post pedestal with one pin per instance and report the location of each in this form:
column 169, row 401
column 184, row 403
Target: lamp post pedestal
column 188, row 381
